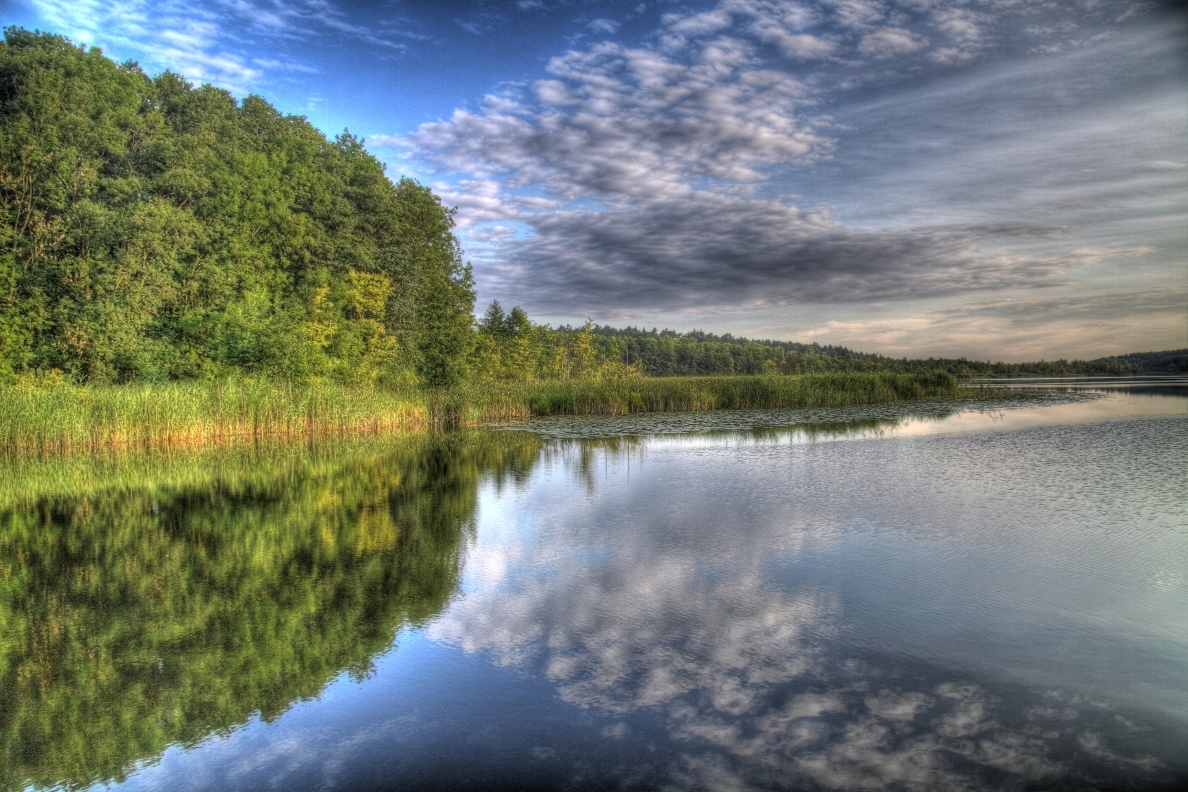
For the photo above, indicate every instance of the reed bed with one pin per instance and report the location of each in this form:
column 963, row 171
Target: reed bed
column 64, row 417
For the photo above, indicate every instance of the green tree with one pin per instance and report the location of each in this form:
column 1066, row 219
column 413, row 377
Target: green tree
column 150, row 228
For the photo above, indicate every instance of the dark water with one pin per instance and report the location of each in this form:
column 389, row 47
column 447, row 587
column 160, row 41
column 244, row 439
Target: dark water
column 886, row 598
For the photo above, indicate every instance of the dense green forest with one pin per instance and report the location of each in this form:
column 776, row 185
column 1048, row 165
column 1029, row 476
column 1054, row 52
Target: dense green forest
column 152, row 230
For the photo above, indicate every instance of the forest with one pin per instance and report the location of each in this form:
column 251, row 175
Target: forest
column 152, row 231
column 513, row 346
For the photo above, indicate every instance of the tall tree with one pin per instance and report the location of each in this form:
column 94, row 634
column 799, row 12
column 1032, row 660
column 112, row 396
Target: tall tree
column 150, row 228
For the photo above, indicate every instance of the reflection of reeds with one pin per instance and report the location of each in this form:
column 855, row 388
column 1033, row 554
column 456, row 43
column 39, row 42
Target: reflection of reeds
column 211, row 413
column 249, row 467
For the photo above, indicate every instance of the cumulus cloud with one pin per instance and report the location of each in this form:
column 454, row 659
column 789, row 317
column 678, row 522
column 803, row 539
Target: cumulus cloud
column 644, row 178
column 617, row 122
column 477, row 201
column 653, row 151
column 858, row 14
column 607, row 26
column 804, row 46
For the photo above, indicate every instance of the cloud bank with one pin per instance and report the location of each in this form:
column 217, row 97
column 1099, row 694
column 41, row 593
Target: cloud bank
column 712, row 251
column 661, row 170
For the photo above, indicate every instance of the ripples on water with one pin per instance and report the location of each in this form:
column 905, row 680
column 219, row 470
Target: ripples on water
column 994, row 597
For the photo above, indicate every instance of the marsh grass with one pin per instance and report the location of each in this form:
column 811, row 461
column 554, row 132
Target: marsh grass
column 64, row 417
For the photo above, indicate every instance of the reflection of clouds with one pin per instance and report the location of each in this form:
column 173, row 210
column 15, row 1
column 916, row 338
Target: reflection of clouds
column 634, row 641
column 625, row 603
column 713, row 657
column 846, row 739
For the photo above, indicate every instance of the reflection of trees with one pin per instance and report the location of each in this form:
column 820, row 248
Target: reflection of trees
column 142, row 614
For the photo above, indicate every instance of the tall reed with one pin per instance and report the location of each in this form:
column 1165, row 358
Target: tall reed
column 198, row 413
column 62, row 417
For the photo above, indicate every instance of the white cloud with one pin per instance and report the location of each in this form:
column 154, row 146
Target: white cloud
column 620, row 123
column 608, row 26
column 858, row 14
column 698, row 24
column 961, row 24
column 888, row 42
column 477, row 200
column 805, row 46
column 212, row 42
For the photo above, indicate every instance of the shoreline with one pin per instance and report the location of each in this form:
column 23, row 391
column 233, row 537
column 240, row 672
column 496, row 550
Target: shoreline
column 70, row 418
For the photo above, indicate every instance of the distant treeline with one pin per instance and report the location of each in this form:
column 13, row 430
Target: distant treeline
column 1172, row 361
column 513, row 347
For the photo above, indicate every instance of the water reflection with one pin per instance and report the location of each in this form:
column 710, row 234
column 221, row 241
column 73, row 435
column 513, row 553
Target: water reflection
column 155, row 600
column 914, row 598
column 932, row 613
column 1173, row 385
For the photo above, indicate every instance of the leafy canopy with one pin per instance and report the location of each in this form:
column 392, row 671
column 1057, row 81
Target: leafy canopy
column 152, row 229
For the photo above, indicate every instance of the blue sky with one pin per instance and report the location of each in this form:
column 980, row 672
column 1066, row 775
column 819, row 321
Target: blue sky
column 991, row 178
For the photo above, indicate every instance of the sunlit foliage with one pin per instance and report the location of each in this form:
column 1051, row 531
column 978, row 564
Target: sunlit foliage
column 150, row 229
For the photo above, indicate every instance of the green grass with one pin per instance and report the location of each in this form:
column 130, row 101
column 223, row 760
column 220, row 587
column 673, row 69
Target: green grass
column 62, row 417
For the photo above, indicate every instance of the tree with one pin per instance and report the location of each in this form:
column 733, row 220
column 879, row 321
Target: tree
column 150, row 228
column 494, row 321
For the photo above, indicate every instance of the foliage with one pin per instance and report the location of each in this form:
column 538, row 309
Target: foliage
column 150, row 229
column 668, row 353
column 151, row 600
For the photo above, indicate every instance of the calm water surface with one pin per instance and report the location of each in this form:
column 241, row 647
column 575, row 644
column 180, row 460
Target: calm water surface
column 879, row 598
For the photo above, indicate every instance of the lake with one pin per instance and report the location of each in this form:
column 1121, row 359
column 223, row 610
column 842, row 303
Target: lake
column 992, row 596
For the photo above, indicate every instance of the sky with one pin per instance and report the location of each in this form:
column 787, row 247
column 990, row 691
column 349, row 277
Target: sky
column 995, row 179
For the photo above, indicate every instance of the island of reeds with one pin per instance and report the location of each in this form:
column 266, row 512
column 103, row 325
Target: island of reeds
column 178, row 266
